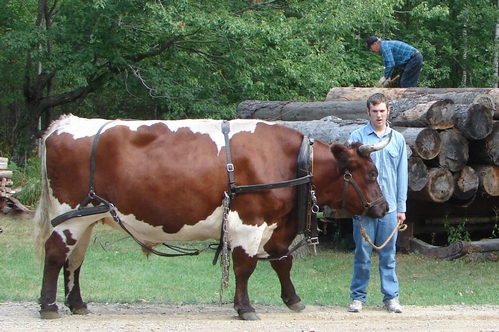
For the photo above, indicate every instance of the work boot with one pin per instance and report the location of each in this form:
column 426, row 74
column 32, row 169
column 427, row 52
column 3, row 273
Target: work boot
column 393, row 305
column 356, row 306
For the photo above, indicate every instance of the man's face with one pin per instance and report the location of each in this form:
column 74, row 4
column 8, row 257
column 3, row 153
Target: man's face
column 378, row 115
column 375, row 47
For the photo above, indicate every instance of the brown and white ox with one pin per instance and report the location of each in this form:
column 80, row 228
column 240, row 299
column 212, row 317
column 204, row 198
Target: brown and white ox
column 167, row 179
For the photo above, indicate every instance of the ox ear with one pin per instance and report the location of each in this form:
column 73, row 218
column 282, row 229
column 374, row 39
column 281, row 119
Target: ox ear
column 340, row 153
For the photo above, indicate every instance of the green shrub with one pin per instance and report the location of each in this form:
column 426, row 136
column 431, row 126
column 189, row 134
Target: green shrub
column 28, row 179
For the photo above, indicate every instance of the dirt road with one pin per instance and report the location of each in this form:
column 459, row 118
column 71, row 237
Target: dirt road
column 213, row 318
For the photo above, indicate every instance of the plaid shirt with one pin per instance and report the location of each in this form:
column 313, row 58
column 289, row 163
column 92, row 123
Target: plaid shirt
column 395, row 53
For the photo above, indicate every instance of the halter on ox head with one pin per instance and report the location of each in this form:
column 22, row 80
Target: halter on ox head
column 361, row 192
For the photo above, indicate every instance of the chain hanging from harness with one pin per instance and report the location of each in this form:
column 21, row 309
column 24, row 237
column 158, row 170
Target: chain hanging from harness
column 307, row 218
column 225, row 259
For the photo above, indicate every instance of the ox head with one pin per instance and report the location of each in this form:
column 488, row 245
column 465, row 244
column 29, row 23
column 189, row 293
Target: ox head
column 361, row 194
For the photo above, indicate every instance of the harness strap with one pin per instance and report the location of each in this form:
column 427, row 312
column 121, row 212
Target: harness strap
column 349, row 179
column 79, row 213
column 230, row 165
column 91, row 191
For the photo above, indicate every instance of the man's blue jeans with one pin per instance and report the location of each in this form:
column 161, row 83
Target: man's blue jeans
column 378, row 230
column 410, row 74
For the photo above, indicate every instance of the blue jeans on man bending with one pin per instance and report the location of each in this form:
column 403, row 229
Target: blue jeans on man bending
column 378, row 230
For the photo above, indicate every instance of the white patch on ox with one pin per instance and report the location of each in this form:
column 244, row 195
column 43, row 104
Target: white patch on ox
column 249, row 237
column 81, row 127
column 208, row 228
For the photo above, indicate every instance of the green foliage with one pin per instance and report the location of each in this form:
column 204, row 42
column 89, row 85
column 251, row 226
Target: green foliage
column 28, row 179
column 191, row 59
column 456, row 233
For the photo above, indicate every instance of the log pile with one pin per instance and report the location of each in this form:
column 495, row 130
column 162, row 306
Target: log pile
column 465, row 160
column 5, row 178
column 451, row 134
column 8, row 204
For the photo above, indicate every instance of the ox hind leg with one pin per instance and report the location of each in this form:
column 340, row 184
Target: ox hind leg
column 63, row 250
column 288, row 293
column 72, row 268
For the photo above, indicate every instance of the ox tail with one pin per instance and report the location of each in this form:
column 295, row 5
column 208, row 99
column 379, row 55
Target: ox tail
column 41, row 220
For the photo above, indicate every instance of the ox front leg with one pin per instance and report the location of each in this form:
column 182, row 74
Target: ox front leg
column 243, row 269
column 55, row 256
column 288, row 293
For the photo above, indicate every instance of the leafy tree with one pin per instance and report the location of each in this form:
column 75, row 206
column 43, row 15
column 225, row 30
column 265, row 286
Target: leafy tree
column 176, row 59
column 185, row 58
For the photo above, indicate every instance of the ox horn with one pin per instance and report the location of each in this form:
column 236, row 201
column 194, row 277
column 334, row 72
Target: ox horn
column 366, row 149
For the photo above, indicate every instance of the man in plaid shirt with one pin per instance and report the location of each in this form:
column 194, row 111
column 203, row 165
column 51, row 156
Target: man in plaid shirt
column 397, row 53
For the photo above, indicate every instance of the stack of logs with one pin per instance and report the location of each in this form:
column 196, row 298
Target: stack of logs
column 9, row 206
column 5, row 178
column 451, row 134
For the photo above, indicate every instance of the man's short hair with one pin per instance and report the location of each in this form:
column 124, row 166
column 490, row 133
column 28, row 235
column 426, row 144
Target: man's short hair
column 371, row 40
column 376, row 99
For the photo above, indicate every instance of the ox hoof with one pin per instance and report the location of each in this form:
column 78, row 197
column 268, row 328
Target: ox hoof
column 81, row 311
column 49, row 315
column 249, row 316
column 298, row 306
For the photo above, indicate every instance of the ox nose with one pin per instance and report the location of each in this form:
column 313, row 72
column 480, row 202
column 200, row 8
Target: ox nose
column 387, row 208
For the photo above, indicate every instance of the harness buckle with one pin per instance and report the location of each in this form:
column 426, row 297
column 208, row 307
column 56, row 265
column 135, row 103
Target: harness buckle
column 314, row 241
column 230, row 167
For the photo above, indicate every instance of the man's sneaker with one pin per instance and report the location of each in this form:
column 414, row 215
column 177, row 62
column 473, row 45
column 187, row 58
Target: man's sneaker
column 356, row 306
column 393, row 305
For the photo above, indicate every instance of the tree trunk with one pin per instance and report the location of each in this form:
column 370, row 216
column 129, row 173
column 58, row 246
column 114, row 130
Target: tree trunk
column 486, row 151
column 488, row 176
column 465, row 183
column 301, row 111
column 439, row 188
column 328, row 130
column 434, row 114
column 453, row 153
column 474, row 121
column 26, row 132
column 418, row 173
column 424, row 142
column 486, row 96
column 5, row 174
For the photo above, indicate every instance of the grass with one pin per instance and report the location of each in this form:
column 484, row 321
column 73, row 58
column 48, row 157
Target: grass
column 115, row 270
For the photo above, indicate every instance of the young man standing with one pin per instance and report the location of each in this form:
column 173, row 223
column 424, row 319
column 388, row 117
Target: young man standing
column 391, row 163
column 397, row 53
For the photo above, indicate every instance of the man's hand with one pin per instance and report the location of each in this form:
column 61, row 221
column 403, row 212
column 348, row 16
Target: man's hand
column 387, row 83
